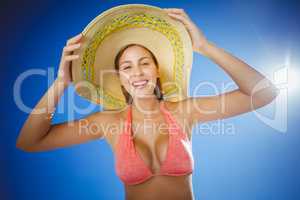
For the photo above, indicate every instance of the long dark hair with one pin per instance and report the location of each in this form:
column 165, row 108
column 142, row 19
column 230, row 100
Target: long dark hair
column 158, row 88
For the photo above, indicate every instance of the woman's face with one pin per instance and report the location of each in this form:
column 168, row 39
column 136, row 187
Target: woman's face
column 138, row 72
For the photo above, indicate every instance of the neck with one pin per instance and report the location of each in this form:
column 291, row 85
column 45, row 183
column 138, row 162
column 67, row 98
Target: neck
column 146, row 106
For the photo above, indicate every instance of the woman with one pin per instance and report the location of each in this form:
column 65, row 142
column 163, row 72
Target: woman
column 152, row 164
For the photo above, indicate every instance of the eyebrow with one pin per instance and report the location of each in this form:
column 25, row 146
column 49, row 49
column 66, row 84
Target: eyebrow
column 127, row 61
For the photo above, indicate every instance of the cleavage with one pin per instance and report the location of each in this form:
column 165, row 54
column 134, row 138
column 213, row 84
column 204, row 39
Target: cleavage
column 151, row 145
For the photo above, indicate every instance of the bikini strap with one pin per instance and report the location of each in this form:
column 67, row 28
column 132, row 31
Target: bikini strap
column 169, row 116
column 172, row 120
column 128, row 121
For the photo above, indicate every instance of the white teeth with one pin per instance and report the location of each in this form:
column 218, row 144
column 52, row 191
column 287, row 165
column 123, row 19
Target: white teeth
column 139, row 84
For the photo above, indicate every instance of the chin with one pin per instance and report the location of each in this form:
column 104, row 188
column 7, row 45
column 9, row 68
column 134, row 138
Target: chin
column 142, row 93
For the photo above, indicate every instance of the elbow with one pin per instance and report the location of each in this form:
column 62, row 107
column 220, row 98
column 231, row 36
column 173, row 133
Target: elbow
column 266, row 97
column 264, row 92
column 22, row 147
column 271, row 94
column 25, row 147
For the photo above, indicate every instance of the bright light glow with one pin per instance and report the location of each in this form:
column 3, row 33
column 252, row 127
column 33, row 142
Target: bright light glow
column 288, row 77
column 293, row 80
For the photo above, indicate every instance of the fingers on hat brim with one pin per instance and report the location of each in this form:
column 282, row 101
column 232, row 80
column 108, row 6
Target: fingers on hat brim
column 75, row 39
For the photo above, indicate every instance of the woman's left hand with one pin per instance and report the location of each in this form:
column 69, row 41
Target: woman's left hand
column 199, row 41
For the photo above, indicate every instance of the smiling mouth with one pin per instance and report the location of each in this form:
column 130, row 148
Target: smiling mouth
column 140, row 84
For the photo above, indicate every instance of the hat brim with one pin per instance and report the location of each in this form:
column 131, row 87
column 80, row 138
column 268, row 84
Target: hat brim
column 93, row 73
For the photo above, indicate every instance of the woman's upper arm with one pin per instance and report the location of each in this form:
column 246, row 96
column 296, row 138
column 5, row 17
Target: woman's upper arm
column 74, row 132
column 222, row 106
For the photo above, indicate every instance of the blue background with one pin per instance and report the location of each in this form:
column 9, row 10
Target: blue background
column 257, row 162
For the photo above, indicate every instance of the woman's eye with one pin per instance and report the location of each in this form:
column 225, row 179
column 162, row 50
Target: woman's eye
column 126, row 67
column 145, row 63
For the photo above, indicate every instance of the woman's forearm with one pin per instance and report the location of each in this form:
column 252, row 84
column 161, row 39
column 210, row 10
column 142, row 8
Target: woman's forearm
column 38, row 122
column 246, row 77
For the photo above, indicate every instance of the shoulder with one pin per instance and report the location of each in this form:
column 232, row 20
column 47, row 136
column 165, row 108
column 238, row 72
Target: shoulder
column 179, row 110
column 111, row 122
column 179, row 107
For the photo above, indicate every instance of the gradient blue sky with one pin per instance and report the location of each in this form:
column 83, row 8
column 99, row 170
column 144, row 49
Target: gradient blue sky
column 257, row 162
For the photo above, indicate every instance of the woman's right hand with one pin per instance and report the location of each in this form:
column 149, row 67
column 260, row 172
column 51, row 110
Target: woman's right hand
column 64, row 70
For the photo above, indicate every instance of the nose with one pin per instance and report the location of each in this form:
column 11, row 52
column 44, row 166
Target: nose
column 137, row 70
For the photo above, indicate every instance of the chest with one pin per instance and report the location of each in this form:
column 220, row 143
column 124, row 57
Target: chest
column 152, row 139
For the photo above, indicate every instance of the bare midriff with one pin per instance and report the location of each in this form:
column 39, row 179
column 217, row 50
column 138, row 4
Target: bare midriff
column 161, row 187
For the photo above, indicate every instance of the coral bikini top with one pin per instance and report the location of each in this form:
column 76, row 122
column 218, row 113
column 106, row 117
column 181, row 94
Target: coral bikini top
column 133, row 170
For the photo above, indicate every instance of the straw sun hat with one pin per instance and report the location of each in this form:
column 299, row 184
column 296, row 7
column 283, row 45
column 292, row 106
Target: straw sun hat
column 94, row 74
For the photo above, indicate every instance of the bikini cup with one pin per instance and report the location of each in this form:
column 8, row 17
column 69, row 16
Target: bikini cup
column 133, row 170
